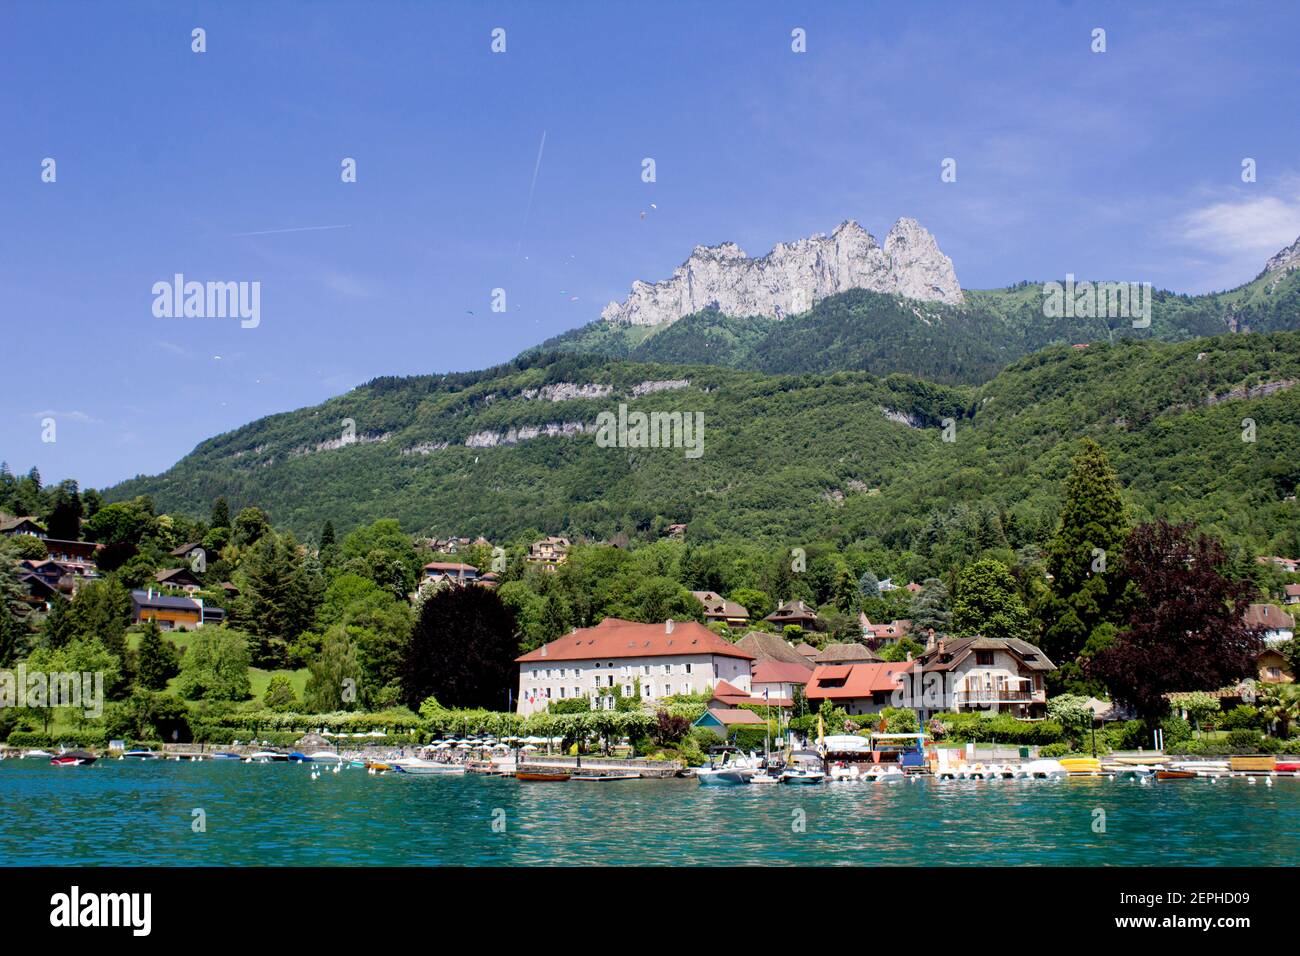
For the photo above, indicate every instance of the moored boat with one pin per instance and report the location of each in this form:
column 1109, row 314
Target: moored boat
column 428, row 768
column 1163, row 774
column 140, row 753
column 73, row 758
column 605, row 777
column 1081, row 766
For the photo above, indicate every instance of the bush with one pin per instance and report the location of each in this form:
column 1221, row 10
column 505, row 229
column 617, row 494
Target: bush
column 1176, row 730
column 751, row 738
column 1054, row 750
column 1241, row 717
column 1243, row 741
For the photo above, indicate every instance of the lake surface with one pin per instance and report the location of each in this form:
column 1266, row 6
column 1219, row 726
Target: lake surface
column 129, row 813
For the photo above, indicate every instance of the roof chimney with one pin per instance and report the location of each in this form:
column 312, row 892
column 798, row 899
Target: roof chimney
column 929, row 638
column 942, row 644
column 668, row 626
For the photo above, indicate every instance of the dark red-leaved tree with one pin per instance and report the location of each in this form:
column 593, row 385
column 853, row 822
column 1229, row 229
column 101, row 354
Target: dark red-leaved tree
column 1188, row 632
column 462, row 650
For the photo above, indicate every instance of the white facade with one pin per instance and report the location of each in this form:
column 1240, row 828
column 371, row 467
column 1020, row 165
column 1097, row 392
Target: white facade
column 660, row 676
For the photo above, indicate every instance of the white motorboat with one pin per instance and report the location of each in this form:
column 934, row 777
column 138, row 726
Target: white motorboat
column 802, row 775
column 37, row 753
column 418, row 767
column 845, row 773
column 736, row 769
column 141, row 753
column 323, row 756
column 763, row 776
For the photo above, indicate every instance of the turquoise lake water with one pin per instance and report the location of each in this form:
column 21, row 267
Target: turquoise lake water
column 127, row 813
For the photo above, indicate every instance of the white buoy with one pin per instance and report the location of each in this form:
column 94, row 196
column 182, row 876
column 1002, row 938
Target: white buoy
column 1251, row 781
column 1268, row 781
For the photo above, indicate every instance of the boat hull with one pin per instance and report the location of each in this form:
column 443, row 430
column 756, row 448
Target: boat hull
column 722, row 778
column 542, row 777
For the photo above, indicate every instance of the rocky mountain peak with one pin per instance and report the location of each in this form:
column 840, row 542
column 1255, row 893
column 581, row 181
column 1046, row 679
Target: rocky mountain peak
column 795, row 276
column 1286, row 260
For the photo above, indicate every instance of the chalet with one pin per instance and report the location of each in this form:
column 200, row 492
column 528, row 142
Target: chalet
column 718, row 608
column 795, row 612
column 550, row 552
column 79, row 552
column 675, row 532
column 456, row 545
column 182, row 579
column 1274, row 668
column 489, row 580
column 10, row 526
column 662, row 659
column 883, row 633
column 998, row 675
column 859, row 688
column 168, row 611
column 1275, row 624
column 1291, row 594
column 845, row 654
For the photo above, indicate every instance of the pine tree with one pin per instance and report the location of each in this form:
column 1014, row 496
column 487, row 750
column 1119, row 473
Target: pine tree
column 156, row 659
column 930, row 609
column 220, row 513
column 327, row 535
column 1084, row 559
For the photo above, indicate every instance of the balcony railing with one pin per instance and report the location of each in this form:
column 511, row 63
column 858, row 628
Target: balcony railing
column 996, row 696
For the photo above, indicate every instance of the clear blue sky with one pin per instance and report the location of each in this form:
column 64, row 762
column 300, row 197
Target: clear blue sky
column 1122, row 165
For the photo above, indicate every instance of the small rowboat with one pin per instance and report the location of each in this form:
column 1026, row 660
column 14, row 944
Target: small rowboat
column 605, row 778
column 543, row 777
column 1175, row 774
column 1288, row 767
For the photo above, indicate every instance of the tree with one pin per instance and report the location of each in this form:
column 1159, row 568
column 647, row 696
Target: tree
column 1188, row 632
column 930, row 608
column 156, row 659
column 220, row 513
column 868, row 586
column 64, row 522
column 333, row 681
column 13, row 626
column 1072, row 712
column 276, row 603
column 102, row 609
column 327, row 535
column 988, row 603
column 756, row 602
column 1085, row 561
column 279, row 693
column 215, row 666
column 658, row 599
column 1200, row 707
column 462, row 650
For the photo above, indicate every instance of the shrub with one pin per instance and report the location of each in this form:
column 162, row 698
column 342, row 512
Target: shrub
column 1176, row 730
column 1054, row 750
column 1241, row 717
column 1243, row 741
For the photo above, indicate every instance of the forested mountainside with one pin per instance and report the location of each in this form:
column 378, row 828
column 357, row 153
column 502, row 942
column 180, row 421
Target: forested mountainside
column 954, row 344
column 846, row 455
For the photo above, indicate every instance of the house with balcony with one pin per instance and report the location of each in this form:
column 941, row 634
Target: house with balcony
column 718, row 608
column 987, row 674
column 795, row 612
column 11, row 525
column 549, row 553
column 450, row 572
column 652, row 660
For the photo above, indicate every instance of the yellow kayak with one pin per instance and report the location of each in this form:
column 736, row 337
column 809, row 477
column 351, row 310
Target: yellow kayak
column 1081, row 765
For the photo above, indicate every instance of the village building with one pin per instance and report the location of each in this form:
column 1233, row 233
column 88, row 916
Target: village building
column 884, row 633
column 795, row 612
column 549, row 553
column 807, row 652
column 450, row 572
column 776, row 682
column 182, row 579
column 675, row 532
column 171, row 612
column 654, row 660
column 1291, row 594
column 858, row 688
column 72, row 552
column 1289, row 565
column 724, row 721
column 1274, row 668
column 1275, row 624
column 845, row 654
column 993, row 675
column 766, row 646
column 718, row 608
column 10, row 525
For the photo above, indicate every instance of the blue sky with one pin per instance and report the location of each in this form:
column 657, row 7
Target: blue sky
column 1123, row 165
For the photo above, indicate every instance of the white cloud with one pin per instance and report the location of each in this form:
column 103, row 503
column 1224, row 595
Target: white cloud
column 73, row 416
column 1240, row 233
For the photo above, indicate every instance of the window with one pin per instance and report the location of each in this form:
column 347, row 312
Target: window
column 577, row 692
column 984, row 658
column 648, row 690
column 688, row 668
column 645, row 670
column 1274, row 673
column 548, row 693
column 561, row 691
column 627, row 690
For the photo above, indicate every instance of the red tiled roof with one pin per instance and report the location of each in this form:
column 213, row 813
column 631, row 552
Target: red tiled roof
column 613, row 638
column 723, row 689
column 1268, row 615
column 451, row 566
column 780, row 672
column 860, row 680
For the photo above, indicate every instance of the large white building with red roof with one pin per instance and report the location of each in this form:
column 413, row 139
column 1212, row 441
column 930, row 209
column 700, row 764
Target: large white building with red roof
column 660, row 659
